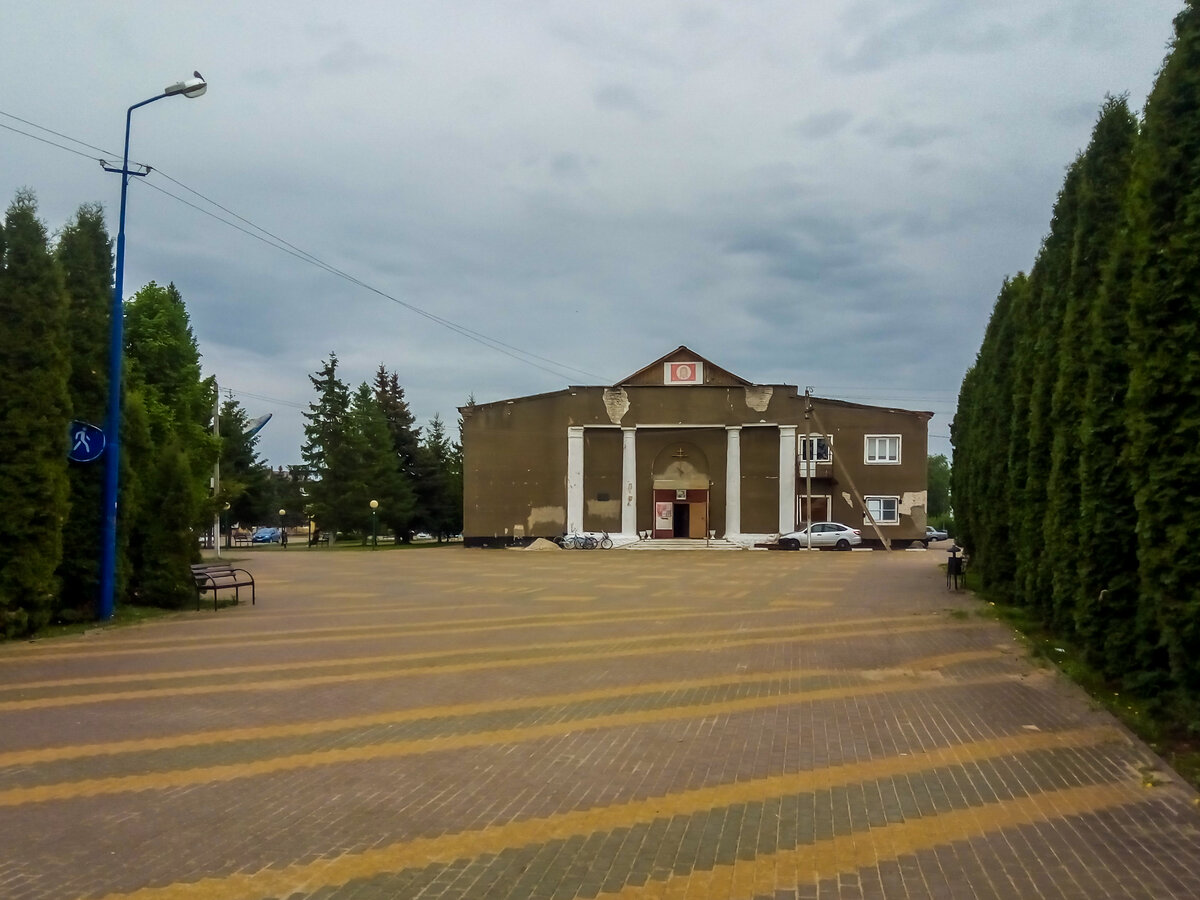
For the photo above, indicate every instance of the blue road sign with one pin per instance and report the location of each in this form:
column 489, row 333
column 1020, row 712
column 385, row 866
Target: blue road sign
column 87, row 442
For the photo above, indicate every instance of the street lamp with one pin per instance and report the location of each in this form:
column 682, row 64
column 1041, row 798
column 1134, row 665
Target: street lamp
column 282, row 533
column 374, row 533
column 190, row 88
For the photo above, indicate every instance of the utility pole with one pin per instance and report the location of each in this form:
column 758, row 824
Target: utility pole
column 837, row 461
column 808, row 464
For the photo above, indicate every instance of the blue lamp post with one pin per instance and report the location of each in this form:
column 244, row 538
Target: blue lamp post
column 190, row 87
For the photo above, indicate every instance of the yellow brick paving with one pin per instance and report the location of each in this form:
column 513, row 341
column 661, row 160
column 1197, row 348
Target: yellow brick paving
column 380, row 670
column 398, row 748
column 78, row 751
column 804, row 684
column 495, row 839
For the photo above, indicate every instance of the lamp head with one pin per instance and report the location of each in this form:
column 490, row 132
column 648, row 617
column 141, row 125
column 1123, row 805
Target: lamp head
column 190, row 87
column 374, row 504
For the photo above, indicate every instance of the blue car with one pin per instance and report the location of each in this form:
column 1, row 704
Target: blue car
column 265, row 536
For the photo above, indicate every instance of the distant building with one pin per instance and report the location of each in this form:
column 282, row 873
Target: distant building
column 682, row 449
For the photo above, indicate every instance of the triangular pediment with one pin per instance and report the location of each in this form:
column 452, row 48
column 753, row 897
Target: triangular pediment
column 684, row 367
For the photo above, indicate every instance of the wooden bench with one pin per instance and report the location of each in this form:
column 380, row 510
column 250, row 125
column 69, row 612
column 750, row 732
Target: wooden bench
column 215, row 576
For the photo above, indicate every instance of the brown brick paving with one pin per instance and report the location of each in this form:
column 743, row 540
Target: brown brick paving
column 465, row 724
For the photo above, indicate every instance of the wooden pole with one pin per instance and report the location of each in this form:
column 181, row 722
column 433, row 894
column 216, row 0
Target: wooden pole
column 837, row 461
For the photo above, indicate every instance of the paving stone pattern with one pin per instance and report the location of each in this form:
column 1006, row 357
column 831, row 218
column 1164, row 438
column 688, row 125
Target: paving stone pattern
column 495, row 724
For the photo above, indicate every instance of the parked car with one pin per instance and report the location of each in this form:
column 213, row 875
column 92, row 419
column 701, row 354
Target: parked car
column 265, row 536
column 824, row 534
column 934, row 534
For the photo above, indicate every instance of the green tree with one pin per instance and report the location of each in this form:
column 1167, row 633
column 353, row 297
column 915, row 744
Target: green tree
column 379, row 467
column 34, row 414
column 1049, row 281
column 1104, row 176
column 406, row 439
column 938, row 486
column 983, row 442
column 245, row 479
column 1163, row 407
column 328, row 453
column 84, row 253
column 164, row 372
column 439, row 507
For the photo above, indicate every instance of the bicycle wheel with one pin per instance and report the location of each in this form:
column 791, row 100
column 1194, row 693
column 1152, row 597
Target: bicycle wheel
column 606, row 543
column 589, row 543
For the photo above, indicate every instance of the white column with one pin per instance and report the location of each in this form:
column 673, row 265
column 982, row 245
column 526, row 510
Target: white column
column 787, row 478
column 628, row 481
column 733, row 482
column 574, row 479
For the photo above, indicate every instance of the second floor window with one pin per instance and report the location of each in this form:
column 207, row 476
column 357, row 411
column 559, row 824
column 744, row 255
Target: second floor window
column 882, row 449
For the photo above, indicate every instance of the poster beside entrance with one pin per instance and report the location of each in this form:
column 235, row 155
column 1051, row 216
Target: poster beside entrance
column 664, row 515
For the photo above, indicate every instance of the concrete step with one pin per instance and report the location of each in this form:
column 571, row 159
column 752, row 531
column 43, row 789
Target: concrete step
column 683, row 544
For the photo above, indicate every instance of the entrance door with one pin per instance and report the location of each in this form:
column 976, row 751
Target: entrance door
column 681, row 513
column 682, row 520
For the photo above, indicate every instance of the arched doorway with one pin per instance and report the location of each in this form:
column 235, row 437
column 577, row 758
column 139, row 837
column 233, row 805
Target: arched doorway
column 681, row 491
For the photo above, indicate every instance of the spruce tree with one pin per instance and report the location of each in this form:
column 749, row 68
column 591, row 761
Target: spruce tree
column 1164, row 326
column 34, row 416
column 84, row 253
column 245, row 478
column 328, row 452
column 378, row 467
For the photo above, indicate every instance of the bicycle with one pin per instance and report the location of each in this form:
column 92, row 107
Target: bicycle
column 605, row 542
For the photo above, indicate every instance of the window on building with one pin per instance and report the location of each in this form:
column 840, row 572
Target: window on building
column 884, row 510
column 815, row 447
column 882, row 449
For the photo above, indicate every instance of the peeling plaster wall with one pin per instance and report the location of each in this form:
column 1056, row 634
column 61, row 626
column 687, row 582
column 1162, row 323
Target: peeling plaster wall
column 616, row 401
column 758, row 398
column 546, row 520
column 913, row 503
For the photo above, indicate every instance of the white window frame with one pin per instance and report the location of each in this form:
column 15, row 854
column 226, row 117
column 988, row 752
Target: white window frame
column 871, row 455
column 810, row 440
column 879, row 511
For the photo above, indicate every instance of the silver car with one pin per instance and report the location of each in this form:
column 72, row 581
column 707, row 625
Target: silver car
column 824, row 534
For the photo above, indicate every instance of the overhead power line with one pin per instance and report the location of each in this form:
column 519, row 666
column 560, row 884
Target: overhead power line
column 523, row 356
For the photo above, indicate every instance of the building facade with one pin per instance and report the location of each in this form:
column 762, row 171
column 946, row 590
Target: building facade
column 685, row 449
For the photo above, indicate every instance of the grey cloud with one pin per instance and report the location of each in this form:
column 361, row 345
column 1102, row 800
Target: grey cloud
column 824, row 124
column 620, row 98
column 879, row 36
column 904, row 135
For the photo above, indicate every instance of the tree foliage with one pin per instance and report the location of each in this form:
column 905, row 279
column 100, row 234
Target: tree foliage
column 84, row 254
column 34, row 414
column 1089, row 376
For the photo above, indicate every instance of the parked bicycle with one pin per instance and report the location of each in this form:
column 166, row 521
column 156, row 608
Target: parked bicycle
column 578, row 541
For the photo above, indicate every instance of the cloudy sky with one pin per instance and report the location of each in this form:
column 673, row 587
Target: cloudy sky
column 825, row 194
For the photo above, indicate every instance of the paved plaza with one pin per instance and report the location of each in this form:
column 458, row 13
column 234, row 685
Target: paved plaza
column 459, row 723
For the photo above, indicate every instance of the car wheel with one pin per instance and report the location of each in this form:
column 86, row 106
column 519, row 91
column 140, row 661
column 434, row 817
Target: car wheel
column 789, row 544
column 842, row 544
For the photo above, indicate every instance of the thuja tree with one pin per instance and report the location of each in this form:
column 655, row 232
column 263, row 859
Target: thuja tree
column 1164, row 327
column 172, row 472
column 34, row 415
column 1103, row 184
column 982, row 428
column 84, row 253
column 1049, row 280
